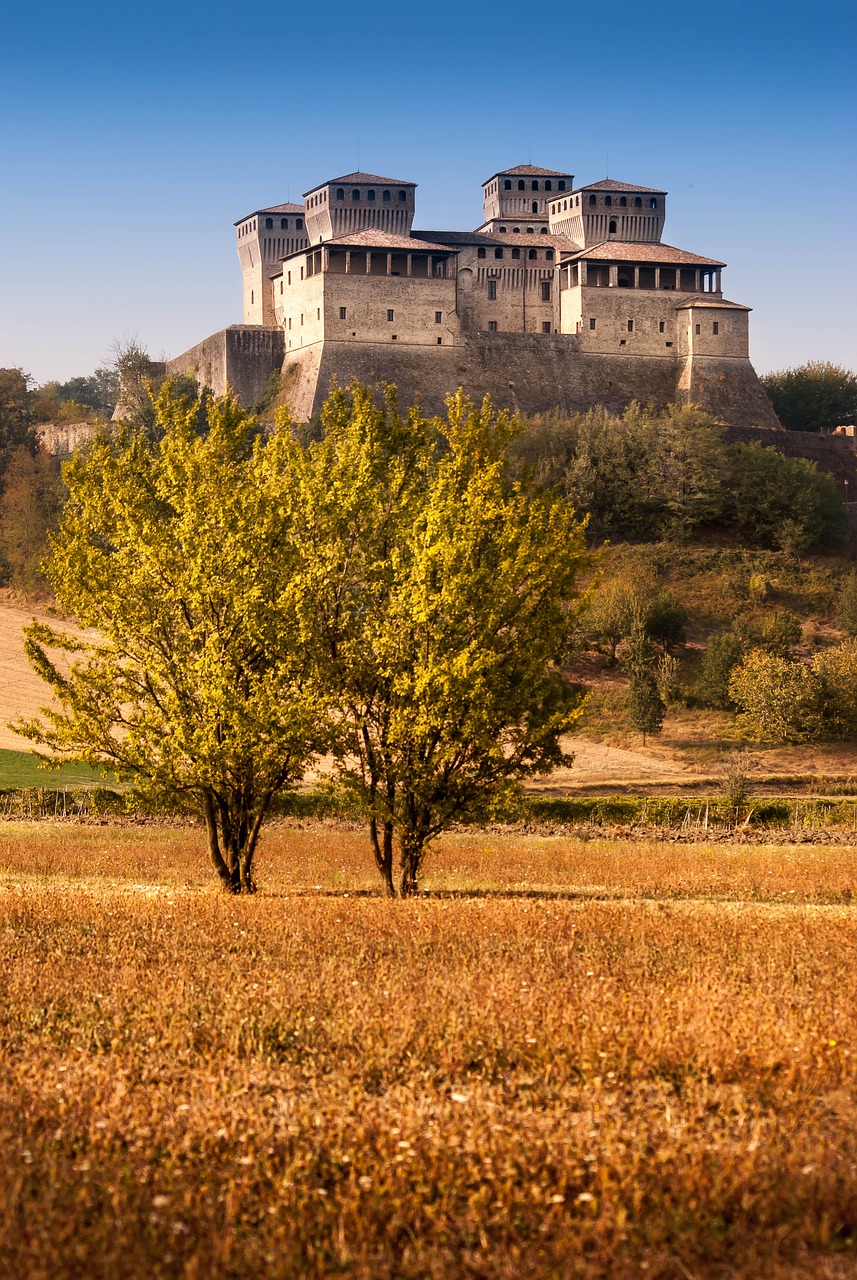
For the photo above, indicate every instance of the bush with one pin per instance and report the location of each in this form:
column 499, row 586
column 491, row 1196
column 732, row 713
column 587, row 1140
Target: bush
column 724, row 653
column 780, row 700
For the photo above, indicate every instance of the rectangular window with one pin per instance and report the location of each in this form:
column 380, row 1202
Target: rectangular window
column 716, row 327
column 699, row 328
column 492, row 326
column 290, row 322
column 661, row 327
column 630, row 326
column 438, row 317
column 592, row 323
column 546, row 291
column 318, row 313
column 281, row 286
column 440, row 342
column 492, row 290
column 546, row 326
column 393, row 337
column 390, row 313
column 302, row 317
column 290, row 277
column 343, row 312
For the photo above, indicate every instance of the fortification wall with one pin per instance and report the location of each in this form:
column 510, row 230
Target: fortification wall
column 242, row 358
column 729, row 388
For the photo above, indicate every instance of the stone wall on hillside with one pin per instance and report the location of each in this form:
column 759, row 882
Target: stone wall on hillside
column 240, row 358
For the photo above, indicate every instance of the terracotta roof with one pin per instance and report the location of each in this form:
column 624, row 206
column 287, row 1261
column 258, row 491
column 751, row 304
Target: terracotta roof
column 459, row 237
column 360, row 177
column 610, row 184
column 372, row 239
column 273, row 208
column 634, row 251
column 705, row 300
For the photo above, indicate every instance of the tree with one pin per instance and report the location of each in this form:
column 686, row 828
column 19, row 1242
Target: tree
column 665, row 619
column 439, row 594
column 780, row 699
column 778, row 501
column 846, row 605
column 177, row 553
column 723, row 654
column 814, row 397
column 16, row 414
column 29, row 505
column 646, row 708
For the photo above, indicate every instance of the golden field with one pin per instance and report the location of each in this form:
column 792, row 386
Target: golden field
column 596, row 1059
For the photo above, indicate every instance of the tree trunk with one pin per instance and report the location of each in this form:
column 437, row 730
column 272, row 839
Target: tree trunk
column 231, row 860
column 384, row 853
column 411, row 858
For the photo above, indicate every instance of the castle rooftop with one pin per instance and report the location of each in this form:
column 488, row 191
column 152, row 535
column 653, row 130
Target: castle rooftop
column 611, row 184
column 361, row 177
column 642, row 250
column 272, row 208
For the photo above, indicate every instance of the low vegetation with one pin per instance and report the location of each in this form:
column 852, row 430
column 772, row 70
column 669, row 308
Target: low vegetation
column 602, row 1060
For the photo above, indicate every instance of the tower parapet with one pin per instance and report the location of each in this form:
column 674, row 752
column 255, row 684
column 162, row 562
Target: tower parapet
column 517, row 199
column 359, row 202
column 609, row 210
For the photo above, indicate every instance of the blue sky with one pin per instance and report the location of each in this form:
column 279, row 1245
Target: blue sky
column 132, row 138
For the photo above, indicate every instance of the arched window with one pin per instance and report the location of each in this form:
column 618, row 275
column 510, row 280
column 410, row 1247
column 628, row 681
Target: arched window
column 653, row 204
column 577, row 200
column 544, row 231
column 608, row 200
column 529, row 231
column 535, row 184
column 612, row 228
column 522, row 186
column 592, row 200
column 638, row 203
column 507, row 185
column 340, row 194
column 299, row 223
column 284, row 224
column 403, row 195
column 269, row 224
column 502, row 231
column 548, row 186
column 531, row 253
column 516, row 231
column 370, row 194
column 355, row 194
column 387, row 197
column 516, row 253
column 480, row 253
column 549, row 254
column 498, row 253
column 560, row 185
column 623, row 202
column 535, row 206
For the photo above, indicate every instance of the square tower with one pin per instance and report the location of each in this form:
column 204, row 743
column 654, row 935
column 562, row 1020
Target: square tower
column 359, row 202
column 517, row 199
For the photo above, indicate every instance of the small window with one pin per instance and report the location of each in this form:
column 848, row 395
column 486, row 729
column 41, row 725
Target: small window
column 403, row 195
column 302, row 317
column 390, row 313
column 534, row 208
column 715, row 328
column 638, row 203
column 549, row 254
column 522, row 186
column 387, row 197
column 669, row 344
column 355, row 194
column 281, row 286
column 480, row 253
column 503, row 231
column 548, row 186
column 492, row 326
column 544, row 231
column 561, row 185
column 623, row 202
column 290, row 278
column 299, row 223
column 269, row 224
column 608, row 200
column 370, row 194
column 546, row 326
column 532, row 253
column 438, row 317
column 546, row 291
column 653, row 204
column 440, row 342
column 318, row 313
column 284, row 224
column 507, row 186
column 529, row 231
column 630, row 326
column 592, row 323
column 393, row 337
column 253, row 299
column 535, row 185
column 343, row 312
column 492, row 290
column 612, row 226
column 516, row 253
column 699, row 328
column 498, row 253
column 592, row 200
column 576, row 201
column 622, row 342
column 662, row 327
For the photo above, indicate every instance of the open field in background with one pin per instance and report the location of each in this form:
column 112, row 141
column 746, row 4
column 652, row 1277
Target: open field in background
column 597, row 1059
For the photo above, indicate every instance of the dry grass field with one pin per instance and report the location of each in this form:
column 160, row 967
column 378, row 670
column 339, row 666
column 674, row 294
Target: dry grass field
column 595, row 1060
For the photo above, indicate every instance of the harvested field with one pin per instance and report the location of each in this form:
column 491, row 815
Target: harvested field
column 656, row 1077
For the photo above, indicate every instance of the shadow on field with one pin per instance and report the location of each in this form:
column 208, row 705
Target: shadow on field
column 435, row 894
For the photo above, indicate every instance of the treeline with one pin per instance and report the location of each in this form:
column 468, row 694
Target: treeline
column 660, row 474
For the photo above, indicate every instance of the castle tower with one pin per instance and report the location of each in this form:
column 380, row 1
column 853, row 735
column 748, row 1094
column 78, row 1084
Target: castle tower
column 263, row 238
column 516, row 200
column 609, row 210
column 359, row 202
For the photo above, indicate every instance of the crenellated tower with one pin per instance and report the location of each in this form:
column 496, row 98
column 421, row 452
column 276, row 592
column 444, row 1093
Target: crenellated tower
column 359, row 202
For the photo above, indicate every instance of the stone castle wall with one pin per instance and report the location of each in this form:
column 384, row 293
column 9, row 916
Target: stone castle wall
column 240, row 358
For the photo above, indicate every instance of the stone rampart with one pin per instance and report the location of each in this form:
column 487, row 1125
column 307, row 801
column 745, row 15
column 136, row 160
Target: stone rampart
column 241, row 358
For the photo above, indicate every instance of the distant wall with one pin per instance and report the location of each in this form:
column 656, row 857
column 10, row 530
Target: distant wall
column 63, row 438
column 240, row 358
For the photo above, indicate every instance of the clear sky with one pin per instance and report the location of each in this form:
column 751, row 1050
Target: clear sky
column 132, row 137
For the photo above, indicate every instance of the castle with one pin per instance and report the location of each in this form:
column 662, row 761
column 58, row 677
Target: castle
column 565, row 296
